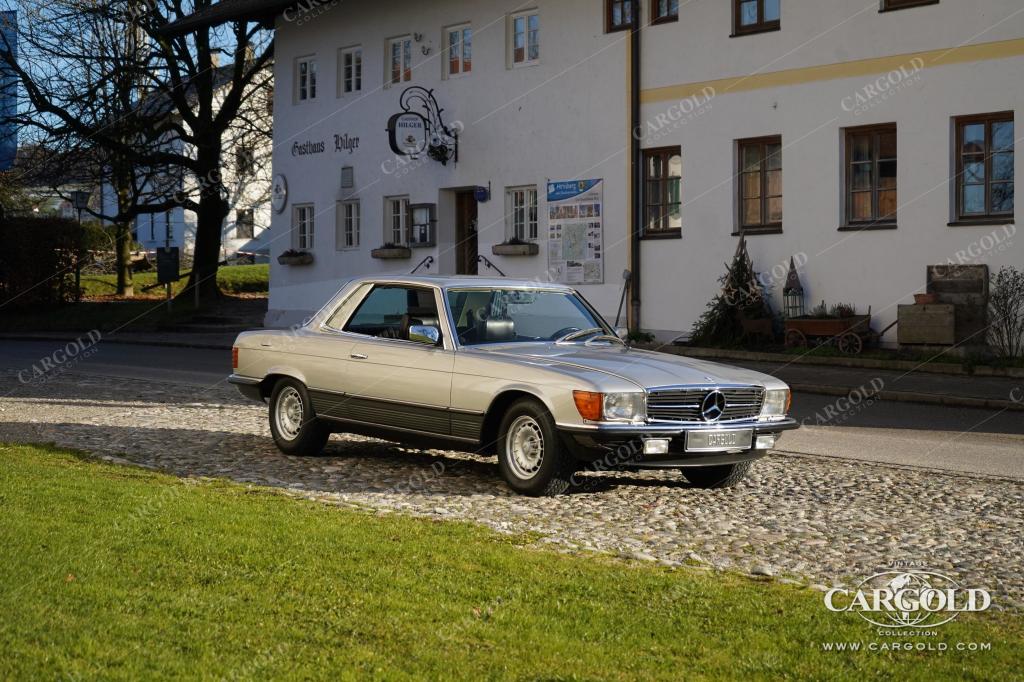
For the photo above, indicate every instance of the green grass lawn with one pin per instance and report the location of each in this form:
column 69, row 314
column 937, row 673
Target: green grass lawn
column 232, row 279
column 116, row 572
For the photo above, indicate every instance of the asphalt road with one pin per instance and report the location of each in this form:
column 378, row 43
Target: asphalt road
column 932, row 436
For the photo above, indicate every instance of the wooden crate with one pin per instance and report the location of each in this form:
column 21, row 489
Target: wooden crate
column 933, row 325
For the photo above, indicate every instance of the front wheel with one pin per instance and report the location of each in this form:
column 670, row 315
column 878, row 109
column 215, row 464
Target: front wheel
column 531, row 458
column 724, row 476
column 293, row 423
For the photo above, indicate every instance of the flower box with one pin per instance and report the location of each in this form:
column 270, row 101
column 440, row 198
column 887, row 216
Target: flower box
column 391, row 252
column 295, row 258
column 520, row 249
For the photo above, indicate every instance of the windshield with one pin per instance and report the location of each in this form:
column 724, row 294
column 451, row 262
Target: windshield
column 518, row 315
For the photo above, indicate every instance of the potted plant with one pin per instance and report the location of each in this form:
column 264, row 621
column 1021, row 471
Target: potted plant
column 390, row 251
column 514, row 246
column 295, row 257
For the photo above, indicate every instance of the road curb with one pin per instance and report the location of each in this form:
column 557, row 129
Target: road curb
column 914, row 397
column 854, row 363
column 115, row 339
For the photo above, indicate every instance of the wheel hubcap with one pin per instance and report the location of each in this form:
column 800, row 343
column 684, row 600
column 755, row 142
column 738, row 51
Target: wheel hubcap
column 289, row 413
column 525, row 447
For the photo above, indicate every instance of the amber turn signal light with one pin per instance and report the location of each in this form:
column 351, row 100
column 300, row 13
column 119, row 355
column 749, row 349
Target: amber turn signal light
column 589, row 404
column 234, row 357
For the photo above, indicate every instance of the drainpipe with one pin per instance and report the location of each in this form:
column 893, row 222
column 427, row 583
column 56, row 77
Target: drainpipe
column 637, row 175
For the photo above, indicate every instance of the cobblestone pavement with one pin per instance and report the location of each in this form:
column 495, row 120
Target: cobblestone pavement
column 796, row 518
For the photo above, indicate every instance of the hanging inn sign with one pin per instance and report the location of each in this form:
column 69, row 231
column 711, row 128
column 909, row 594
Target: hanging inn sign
column 420, row 129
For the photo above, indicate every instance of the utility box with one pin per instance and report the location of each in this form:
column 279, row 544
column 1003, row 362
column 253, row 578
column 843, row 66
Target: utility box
column 167, row 265
column 933, row 325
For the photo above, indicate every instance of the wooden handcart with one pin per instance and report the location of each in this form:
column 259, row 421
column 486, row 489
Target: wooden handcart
column 848, row 334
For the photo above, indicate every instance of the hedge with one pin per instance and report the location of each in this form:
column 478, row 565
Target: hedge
column 37, row 261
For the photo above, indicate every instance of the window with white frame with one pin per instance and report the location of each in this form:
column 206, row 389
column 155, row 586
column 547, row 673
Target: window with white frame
column 399, row 60
column 305, row 78
column 421, row 224
column 521, row 213
column 346, row 235
column 302, row 226
column 524, row 38
column 459, row 49
column 396, row 220
column 350, row 70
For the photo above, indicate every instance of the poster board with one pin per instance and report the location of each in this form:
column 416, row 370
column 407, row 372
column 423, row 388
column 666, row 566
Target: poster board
column 575, row 231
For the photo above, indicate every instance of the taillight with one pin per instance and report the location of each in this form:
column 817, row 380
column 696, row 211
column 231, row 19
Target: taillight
column 588, row 404
column 234, row 357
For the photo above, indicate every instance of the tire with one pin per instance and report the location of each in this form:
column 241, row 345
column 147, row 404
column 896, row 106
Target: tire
column 724, row 476
column 293, row 422
column 527, row 426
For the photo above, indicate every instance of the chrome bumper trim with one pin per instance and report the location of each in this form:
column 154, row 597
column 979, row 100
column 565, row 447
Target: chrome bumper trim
column 243, row 381
column 628, row 430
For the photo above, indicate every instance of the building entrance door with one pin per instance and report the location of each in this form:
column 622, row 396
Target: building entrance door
column 465, row 233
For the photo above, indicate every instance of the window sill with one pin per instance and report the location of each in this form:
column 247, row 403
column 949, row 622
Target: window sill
column 618, row 29
column 523, row 249
column 923, row 3
column 391, row 252
column 664, row 20
column 739, row 33
column 665, row 234
column 767, row 229
column 867, row 227
column 981, row 222
column 422, row 245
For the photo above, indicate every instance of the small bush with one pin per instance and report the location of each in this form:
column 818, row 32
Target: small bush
column 38, row 256
column 1006, row 313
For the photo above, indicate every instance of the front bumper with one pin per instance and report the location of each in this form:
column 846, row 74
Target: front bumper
column 621, row 445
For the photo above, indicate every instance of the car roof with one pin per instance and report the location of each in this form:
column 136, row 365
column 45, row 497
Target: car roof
column 463, row 281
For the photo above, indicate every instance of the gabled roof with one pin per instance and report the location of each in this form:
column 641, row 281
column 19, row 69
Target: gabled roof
column 263, row 11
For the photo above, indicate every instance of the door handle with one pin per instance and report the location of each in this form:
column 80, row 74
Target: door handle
column 358, row 356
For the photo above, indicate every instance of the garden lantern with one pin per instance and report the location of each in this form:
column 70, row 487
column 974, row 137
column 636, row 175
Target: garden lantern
column 793, row 293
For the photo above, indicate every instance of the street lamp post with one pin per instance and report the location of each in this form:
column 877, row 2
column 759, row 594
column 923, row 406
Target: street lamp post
column 80, row 201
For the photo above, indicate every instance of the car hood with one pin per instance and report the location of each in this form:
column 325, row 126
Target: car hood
column 645, row 368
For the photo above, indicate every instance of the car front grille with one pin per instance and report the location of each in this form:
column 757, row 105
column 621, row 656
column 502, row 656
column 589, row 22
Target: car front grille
column 684, row 404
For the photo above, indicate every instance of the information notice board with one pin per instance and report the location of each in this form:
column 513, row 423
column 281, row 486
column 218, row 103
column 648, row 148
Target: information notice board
column 575, row 231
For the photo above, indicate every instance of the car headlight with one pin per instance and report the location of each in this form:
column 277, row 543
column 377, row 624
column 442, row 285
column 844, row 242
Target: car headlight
column 626, row 407
column 619, row 407
column 776, row 402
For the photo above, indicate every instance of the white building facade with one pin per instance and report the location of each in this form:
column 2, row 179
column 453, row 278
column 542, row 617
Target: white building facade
column 865, row 141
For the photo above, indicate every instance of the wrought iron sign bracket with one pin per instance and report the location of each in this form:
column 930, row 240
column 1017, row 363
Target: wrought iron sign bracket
column 421, row 116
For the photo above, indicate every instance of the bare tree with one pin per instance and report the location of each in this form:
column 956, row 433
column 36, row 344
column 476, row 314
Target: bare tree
column 181, row 110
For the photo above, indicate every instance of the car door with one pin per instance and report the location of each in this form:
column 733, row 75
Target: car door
column 390, row 380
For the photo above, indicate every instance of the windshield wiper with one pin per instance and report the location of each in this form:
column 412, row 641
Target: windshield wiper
column 603, row 337
column 579, row 333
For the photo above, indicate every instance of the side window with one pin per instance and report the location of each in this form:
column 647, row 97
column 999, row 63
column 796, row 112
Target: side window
column 388, row 312
column 345, row 309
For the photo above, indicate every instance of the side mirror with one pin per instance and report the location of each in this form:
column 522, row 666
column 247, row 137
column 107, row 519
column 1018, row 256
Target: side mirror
column 622, row 332
column 421, row 333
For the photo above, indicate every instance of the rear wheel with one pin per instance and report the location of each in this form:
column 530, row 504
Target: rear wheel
column 293, row 422
column 531, row 457
column 724, row 476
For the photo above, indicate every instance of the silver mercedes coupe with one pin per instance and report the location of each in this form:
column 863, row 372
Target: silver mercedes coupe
column 525, row 371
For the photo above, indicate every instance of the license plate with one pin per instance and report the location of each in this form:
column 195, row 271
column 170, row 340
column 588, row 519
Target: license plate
column 714, row 441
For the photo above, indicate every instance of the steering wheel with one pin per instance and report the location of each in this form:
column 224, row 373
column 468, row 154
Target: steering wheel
column 562, row 332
